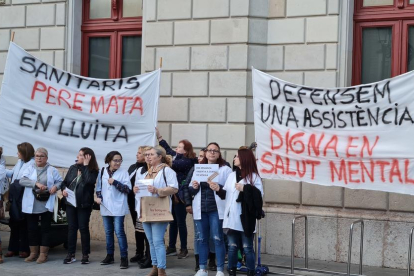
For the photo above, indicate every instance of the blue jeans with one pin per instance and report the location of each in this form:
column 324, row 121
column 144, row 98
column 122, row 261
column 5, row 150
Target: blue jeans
column 210, row 242
column 116, row 224
column 237, row 238
column 155, row 232
column 210, row 225
column 178, row 225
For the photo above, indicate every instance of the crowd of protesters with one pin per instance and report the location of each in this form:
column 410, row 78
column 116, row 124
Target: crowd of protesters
column 224, row 209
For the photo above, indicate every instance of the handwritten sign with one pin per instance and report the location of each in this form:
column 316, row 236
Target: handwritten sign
column 356, row 137
column 63, row 112
column 143, row 184
column 202, row 172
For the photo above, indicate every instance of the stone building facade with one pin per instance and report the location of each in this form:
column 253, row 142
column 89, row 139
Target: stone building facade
column 208, row 49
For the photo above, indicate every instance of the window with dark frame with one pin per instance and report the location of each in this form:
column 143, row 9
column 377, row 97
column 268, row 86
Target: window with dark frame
column 111, row 38
column 383, row 39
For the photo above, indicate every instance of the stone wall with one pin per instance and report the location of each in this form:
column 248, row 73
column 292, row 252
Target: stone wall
column 39, row 28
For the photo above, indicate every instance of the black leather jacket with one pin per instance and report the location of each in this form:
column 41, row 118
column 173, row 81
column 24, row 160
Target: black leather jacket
column 85, row 188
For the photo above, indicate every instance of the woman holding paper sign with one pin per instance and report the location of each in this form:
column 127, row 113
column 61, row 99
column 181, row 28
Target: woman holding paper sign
column 113, row 186
column 164, row 184
column 41, row 181
column 243, row 187
column 80, row 183
column 145, row 260
column 208, row 210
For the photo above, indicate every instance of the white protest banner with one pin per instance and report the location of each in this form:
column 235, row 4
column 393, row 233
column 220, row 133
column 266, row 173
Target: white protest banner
column 64, row 112
column 356, row 137
column 203, row 171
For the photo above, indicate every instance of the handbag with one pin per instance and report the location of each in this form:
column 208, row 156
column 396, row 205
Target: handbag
column 38, row 193
column 41, row 195
column 156, row 209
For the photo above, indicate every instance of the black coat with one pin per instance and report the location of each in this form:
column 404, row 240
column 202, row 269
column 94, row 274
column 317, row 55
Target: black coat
column 252, row 208
column 85, row 189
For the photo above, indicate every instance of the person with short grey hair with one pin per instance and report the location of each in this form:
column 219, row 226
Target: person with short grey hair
column 41, row 181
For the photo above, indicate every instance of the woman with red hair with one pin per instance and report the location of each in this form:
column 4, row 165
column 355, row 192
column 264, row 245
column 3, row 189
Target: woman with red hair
column 183, row 162
column 243, row 192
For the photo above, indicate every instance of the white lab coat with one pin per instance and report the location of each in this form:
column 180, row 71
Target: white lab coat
column 19, row 169
column 224, row 172
column 116, row 203
column 53, row 177
column 3, row 181
column 233, row 209
column 159, row 183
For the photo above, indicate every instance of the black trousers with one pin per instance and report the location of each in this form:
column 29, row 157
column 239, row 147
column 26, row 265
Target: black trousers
column 140, row 238
column 78, row 219
column 39, row 237
column 19, row 239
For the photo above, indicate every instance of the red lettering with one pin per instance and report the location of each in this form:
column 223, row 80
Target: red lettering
column 364, row 168
column 303, row 172
column 352, row 172
column 382, row 165
column 137, row 105
column 406, row 167
column 287, row 140
column 334, row 141
column 350, row 139
column 264, row 160
column 279, row 164
column 395, row 171
column 125, row 99
column 276, row 133
column 366, row 144
column 76, row 101
column 112, row 103
column 293, row 142
column 288, row 171
column 38, row 86
column 49, row 95
column 60, row 97
column 313, row 163
column 94, row 105
column 311, row 143
column 341, row 173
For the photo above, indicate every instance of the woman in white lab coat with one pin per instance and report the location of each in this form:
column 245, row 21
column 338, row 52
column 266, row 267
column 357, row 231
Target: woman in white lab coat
column 113, row 186
column 208, row 210
column 243, row 192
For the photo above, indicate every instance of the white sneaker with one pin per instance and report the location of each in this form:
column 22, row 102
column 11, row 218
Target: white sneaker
column 202, row 272
column 220, row 273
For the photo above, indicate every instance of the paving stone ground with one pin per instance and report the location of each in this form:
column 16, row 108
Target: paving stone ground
column 185, row 267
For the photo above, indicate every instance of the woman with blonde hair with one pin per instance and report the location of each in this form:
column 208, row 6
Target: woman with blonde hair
column 41, row 181
column 164, row 184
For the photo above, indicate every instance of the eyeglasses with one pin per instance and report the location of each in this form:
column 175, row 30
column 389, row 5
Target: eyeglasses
column 213, row 151
column 40, row 156
column 117, row 161
column 149, row 154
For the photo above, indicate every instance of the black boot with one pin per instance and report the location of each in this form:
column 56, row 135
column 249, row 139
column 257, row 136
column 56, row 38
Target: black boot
column 197, row 259
column 147, row 263
column 233, row 271
column 212, row 262
column 109, row 259
column 136, row 258
column 251, row 273
column 124, row 263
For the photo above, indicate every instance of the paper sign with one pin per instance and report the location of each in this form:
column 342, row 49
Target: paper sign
column 71, row 198
column 143, row 187
column 202, row 172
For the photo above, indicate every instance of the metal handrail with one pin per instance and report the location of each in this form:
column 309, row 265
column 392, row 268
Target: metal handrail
column 410, row 247
column 292, row 261
column 351, row 232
